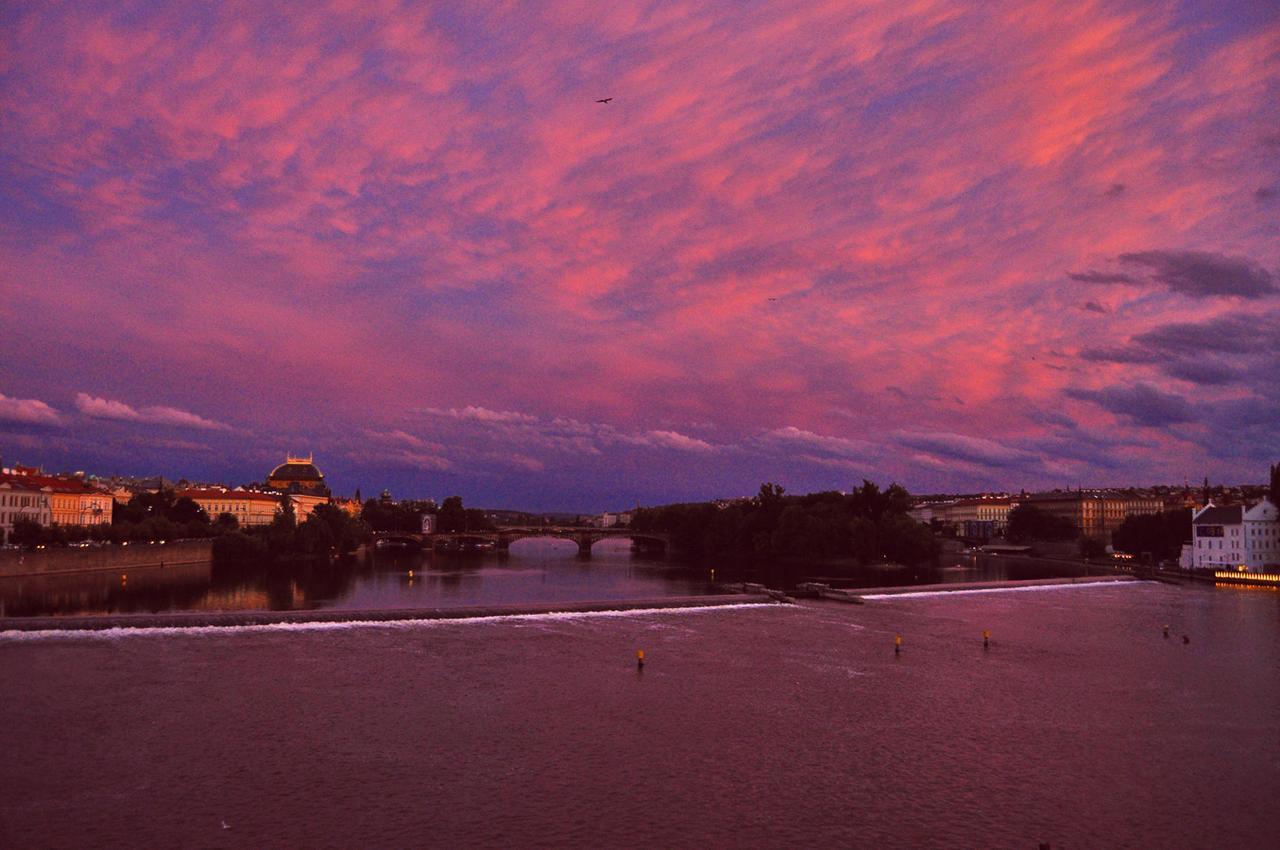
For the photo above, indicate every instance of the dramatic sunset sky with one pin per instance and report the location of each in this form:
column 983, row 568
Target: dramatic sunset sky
column 958, row 245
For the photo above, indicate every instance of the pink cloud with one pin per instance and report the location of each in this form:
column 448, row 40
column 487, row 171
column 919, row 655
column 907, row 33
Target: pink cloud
column 27, row 411
column 787, row 211
column 676, row 440
column 102, row 408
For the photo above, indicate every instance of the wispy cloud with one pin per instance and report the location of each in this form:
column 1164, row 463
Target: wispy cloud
column 674, row 440
column 796, row 439
column 102, row 408
column 788, row 210
column 963, row 447
column 1142, row 404
column 480, row 414
column 27, row 411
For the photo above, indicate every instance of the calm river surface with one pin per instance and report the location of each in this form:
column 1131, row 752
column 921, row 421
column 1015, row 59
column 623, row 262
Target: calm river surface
column 535, row 571
column 750, row 726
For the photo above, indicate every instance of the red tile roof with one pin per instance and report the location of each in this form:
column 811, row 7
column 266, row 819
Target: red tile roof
column 229, row 495
column 58, row 485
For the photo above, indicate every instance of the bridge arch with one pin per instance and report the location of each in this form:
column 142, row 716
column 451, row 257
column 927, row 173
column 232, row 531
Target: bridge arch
column 585, row 538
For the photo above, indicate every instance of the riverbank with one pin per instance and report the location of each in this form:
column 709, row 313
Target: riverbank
column 55, row 560
column 198, row 619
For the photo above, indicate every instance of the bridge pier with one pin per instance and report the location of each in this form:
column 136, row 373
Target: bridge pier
column 649, row 543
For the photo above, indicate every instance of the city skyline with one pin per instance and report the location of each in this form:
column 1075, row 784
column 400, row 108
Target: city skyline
column 957, row 248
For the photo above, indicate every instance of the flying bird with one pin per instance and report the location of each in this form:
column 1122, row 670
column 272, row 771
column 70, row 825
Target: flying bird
column 604, row 100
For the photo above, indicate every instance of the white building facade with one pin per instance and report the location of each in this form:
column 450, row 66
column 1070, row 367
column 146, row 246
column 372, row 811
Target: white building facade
column 20, row 500
column 1235, row 537
column 1261, row 533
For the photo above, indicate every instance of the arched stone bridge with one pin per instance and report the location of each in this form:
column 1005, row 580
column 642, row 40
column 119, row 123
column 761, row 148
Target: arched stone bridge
column 502, row 538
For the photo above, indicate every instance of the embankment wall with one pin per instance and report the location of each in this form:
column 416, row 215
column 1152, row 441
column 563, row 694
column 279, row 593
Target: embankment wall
column 73, row 560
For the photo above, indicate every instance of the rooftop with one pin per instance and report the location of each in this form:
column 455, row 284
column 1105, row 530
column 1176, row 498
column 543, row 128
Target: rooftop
column 1219, row 515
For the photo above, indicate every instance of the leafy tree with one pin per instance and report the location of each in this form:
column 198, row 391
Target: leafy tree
column 1273, row 491
column 477, row 521
column 864, row 537
column 869, row 525
column 795, row 533
column 285, row 519
column 26, row 532
column 381, row 515
column 144, row 506
column 896, row 499
column 770, row 495
column 346, row 532
column 452, row 516
column 722, row 535
column 314, row 538
column 226, row 522
column 185, row 511
column 1027, row 523
column 905, row 540
column 1160, row 534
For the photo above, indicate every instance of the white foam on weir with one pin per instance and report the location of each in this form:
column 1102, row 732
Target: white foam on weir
column 1038, row 587
column 346, row 625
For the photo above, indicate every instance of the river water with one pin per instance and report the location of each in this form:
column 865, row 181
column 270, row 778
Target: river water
column 756, row 726
column 533, row 572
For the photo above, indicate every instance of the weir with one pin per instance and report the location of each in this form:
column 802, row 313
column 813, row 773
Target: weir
column 198, row 619
column 857, row 595
column 990, row 586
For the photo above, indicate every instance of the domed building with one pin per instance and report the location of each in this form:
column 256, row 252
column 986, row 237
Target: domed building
column 298, row 475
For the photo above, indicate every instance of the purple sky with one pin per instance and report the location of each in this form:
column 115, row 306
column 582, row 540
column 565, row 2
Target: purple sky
column 955, row 245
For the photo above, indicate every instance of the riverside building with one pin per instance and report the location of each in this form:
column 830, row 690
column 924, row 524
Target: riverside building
column 298, row 475
column 300, row 481
column 73, row 502
column 1095, row 513
column 1236, row 537
column 19, row 500
column 977, row 518
column 250, row 508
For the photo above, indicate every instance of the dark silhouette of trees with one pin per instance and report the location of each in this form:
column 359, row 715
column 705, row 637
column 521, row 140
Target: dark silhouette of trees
column 869, row 524
column 155, row 516
column 26, row 532
column 380, row 515
column 452, row 516
column 344, row 531
column 1028, row 523
column 327, row 532
column 185, row 510
column 286, row 520
column 1160, row 534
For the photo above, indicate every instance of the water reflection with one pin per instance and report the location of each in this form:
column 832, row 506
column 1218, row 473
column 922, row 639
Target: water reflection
column 534, row 571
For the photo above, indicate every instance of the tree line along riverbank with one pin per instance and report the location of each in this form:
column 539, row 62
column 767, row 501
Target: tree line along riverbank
column 869, row 525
